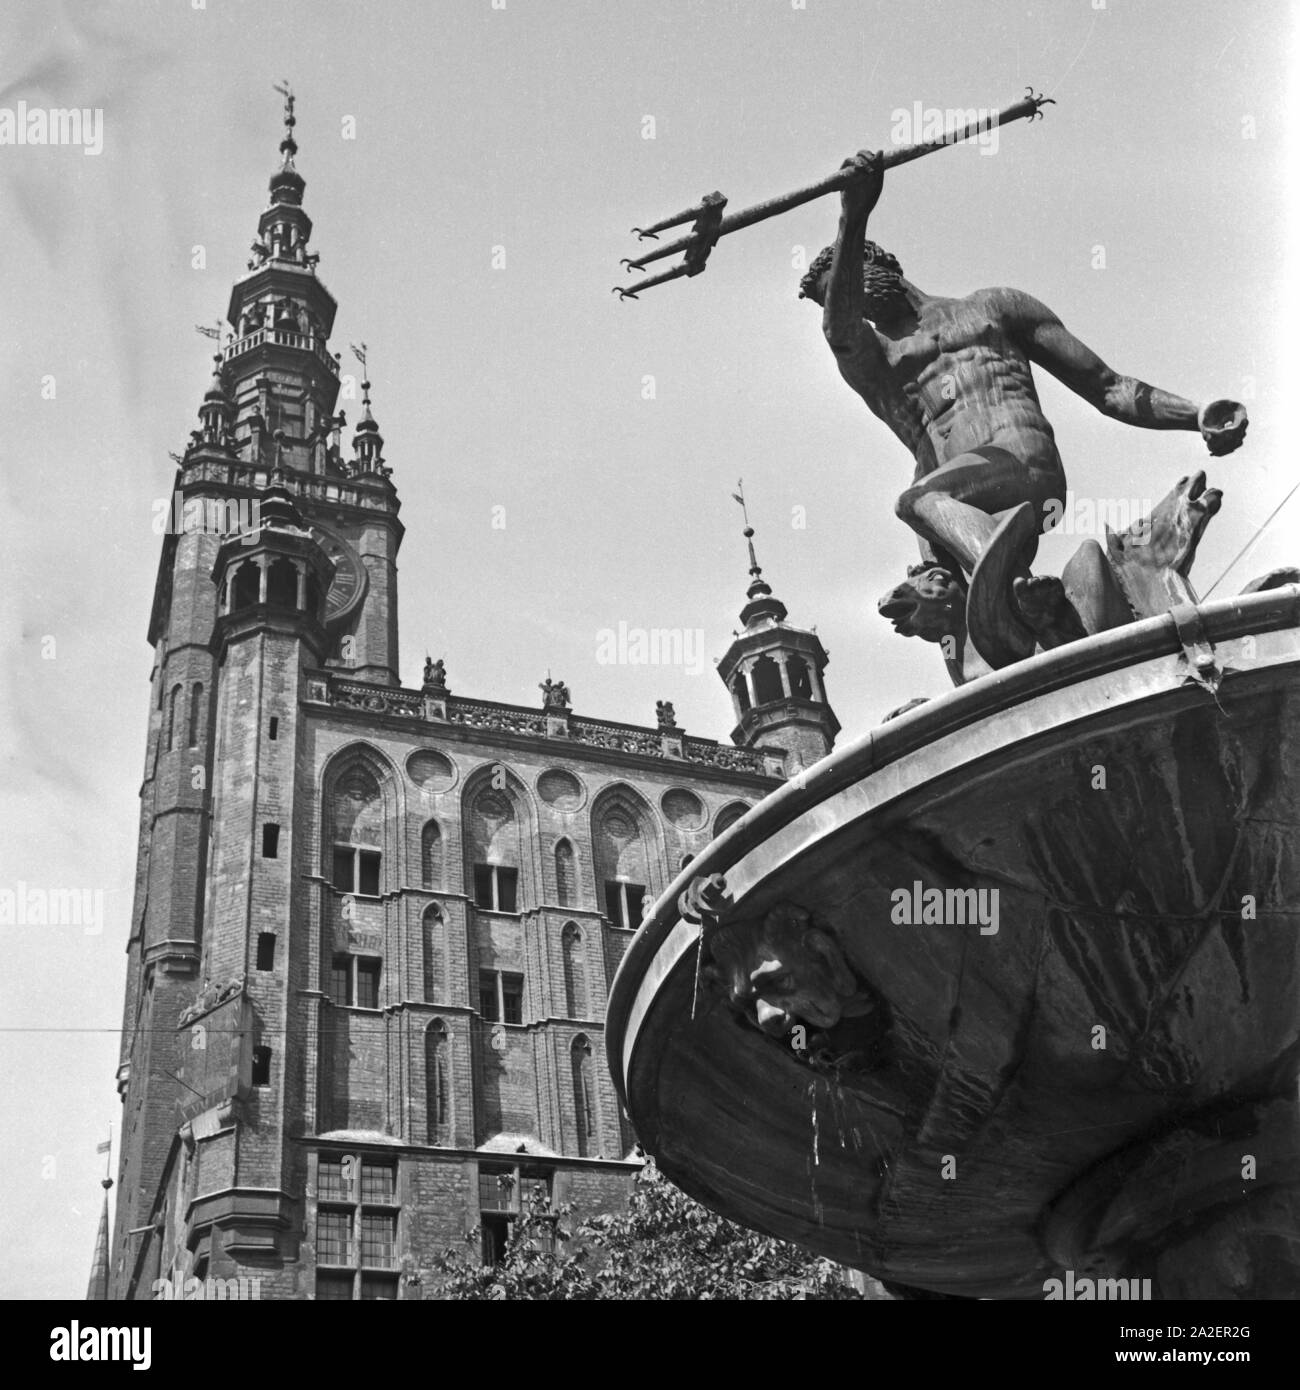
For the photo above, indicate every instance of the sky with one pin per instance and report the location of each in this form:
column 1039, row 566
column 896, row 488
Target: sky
column 473, row 168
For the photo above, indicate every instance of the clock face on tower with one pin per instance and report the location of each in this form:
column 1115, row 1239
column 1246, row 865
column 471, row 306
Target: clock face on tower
column 350, row 579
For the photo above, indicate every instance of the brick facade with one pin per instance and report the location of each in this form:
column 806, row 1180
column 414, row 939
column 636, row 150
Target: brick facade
column 374, row 928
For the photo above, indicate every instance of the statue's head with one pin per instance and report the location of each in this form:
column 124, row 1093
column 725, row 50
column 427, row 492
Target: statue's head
column 929, row 604
column 786, row 970
column 882, row 278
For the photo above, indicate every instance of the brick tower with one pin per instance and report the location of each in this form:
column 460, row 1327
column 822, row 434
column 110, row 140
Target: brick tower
column 374, row 926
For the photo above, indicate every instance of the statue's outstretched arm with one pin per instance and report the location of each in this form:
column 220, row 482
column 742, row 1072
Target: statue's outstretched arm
column 1048, row 343
column 844, row 314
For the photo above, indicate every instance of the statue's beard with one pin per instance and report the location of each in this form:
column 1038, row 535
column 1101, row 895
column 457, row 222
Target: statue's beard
column 886, row 296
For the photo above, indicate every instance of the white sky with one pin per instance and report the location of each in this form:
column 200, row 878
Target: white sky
column 522, row 128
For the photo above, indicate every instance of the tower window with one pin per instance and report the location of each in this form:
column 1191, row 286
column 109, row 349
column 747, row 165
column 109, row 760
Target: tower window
column 196, row 714
column 767, row 681
column 173, row 728
column 501, row 996
column 354, row 982
column 248, row 580
column 356, row 1228
column 512, row 998
column 503, row 1193
column 495, row 887
column 261, row 1066
column 487, row 995
column 266, row 950
column 270, row 841
column 624, row 903
column 800, row 683
column 741, row 691
column 282, row 584
column 273, row 729
column 357, row 870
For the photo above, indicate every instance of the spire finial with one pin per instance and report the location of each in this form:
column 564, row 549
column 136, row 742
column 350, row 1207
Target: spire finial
column 755, row 569
column 360, row 351
column 288, row 146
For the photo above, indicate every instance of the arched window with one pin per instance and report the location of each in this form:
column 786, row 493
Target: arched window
column 173, row 709
column 437, row 1082
column 767, row 681
column 196, row 714
column 741, row 691
column 575, row 972
column 431, row 856
column 800, row 682
column 494, row 850
column 248, row 580
column 566, row 875
column 435, row 954
column 624, row 850
column 357, row 826
column 282, row 584
column 728, row 816
column 584, row 1095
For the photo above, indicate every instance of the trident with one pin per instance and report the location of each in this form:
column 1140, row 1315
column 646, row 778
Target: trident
column 710, row 225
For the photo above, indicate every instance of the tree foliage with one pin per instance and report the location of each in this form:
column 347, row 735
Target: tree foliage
column 663, row 1246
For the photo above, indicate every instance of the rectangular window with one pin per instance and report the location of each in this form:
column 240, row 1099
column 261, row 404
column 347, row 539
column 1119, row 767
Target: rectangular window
column 496, row 1188
column 378, row 1235
column 487, row 995
column 512, row 998
column 333, row 1237
column 357, row 870
column 623, row 903
column 343, row 856
column 496, row 888
column 500, row 996
column 261, row 1066
column 270, row 841
column 496, row 1236
column 340, row 981
column 367, row 984
column 368, row 873
column 266, row 950
column 329, row 1180
column 379, row 1286
column 356, row 1227
column 379, row 1184
column 273, row 732
column 354, row 982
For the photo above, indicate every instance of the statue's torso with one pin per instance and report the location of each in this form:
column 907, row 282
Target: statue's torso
column 958, row 381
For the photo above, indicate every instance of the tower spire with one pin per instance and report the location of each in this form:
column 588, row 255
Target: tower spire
column 774, row 672
column 757, row 584
column 288, row 146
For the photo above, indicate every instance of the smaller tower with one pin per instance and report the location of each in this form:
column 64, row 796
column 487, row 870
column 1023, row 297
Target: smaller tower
column 774, row 674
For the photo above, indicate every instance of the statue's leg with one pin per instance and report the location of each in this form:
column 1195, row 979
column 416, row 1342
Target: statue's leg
column 955, row 507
